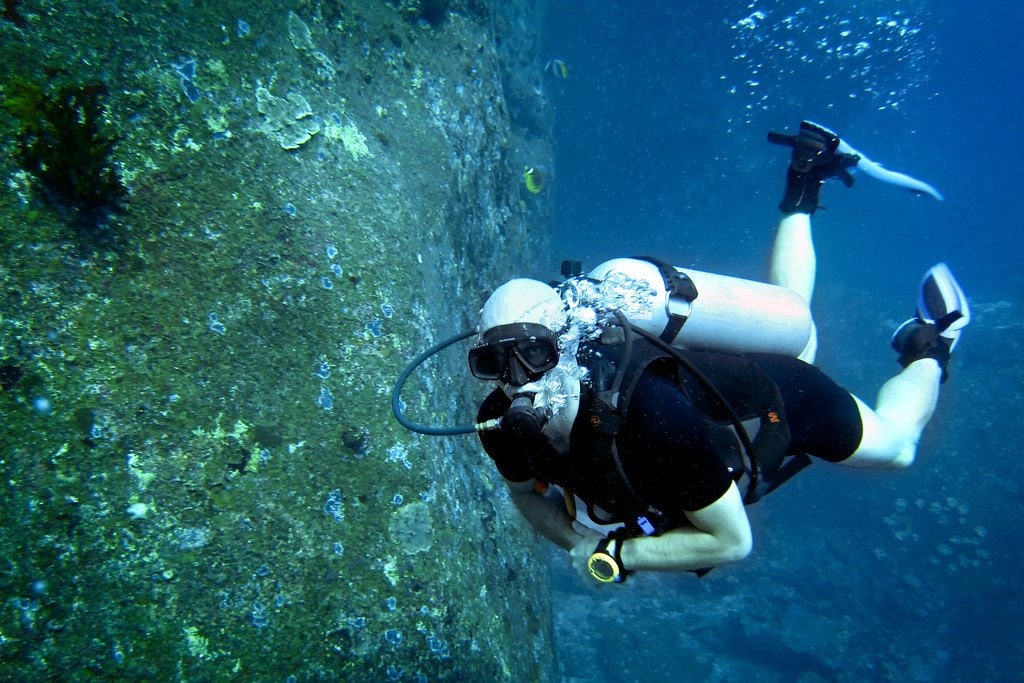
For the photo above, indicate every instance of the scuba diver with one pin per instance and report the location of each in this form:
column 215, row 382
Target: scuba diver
column 640, row 407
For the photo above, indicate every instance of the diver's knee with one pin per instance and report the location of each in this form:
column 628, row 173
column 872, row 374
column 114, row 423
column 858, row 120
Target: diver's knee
column 888, row 455
column 905, row 458
column 811, row 350
column 883, row 443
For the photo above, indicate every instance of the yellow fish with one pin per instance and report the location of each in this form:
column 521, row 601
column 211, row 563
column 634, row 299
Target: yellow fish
column 557, row 68
column 534, row 179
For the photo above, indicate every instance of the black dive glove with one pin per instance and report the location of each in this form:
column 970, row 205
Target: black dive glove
column 814, row 160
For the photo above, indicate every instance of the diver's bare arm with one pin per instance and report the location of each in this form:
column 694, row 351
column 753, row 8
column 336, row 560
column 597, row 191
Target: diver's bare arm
column 720, row 534
column 547, row 515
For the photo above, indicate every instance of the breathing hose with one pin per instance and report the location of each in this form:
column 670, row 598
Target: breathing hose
column 396, row 394
column 741, row 432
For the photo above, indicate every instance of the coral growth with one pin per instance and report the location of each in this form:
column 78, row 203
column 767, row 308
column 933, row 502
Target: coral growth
column 64, row 143
column 433, row 12
column 11, row 14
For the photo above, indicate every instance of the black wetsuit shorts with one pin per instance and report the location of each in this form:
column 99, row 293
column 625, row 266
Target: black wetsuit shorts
column 824, row 420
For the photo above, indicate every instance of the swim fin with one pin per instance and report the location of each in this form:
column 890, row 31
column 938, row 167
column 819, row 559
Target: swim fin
column 942, row 302
column 942, row 312
column 815, row 159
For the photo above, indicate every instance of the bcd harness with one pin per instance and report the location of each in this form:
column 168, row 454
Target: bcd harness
column 738, row 404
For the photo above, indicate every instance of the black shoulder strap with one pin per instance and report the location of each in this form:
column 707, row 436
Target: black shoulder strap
column 603, row 418
column 752, row 395
column 747, row 393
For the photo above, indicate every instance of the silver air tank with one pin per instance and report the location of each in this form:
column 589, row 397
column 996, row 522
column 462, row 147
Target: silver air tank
column 728, row 314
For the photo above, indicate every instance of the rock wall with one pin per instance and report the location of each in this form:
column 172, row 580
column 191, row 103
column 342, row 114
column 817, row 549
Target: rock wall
column 201, row 475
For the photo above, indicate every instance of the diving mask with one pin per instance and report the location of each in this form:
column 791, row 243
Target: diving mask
column 516, row 354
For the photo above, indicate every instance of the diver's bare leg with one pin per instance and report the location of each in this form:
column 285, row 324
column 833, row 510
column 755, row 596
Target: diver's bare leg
column 907, row 401
column 794, row 266
column 893, row 429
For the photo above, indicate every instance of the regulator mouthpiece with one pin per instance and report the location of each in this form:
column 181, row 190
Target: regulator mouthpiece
column 522, row 419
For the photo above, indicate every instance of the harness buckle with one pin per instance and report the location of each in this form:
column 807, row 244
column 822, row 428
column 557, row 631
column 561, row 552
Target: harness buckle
column 645, row 525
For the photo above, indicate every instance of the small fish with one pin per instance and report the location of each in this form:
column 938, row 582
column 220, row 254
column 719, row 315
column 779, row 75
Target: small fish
column 557, row 68
column 534, row 179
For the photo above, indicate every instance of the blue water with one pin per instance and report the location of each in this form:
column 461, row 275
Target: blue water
column 661, row 150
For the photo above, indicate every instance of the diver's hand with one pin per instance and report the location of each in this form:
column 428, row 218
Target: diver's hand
column 598, row 560
column 814, row 153
column 579, row 555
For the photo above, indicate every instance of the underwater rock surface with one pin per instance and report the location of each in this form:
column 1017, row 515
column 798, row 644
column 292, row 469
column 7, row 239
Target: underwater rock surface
column 201, row 476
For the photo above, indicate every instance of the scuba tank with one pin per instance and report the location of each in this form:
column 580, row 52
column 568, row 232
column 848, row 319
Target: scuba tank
column 689, row 309
column 705, row 311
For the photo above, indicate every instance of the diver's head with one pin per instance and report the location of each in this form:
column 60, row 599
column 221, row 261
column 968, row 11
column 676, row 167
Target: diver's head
column 523, row 301
column 519, row 326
